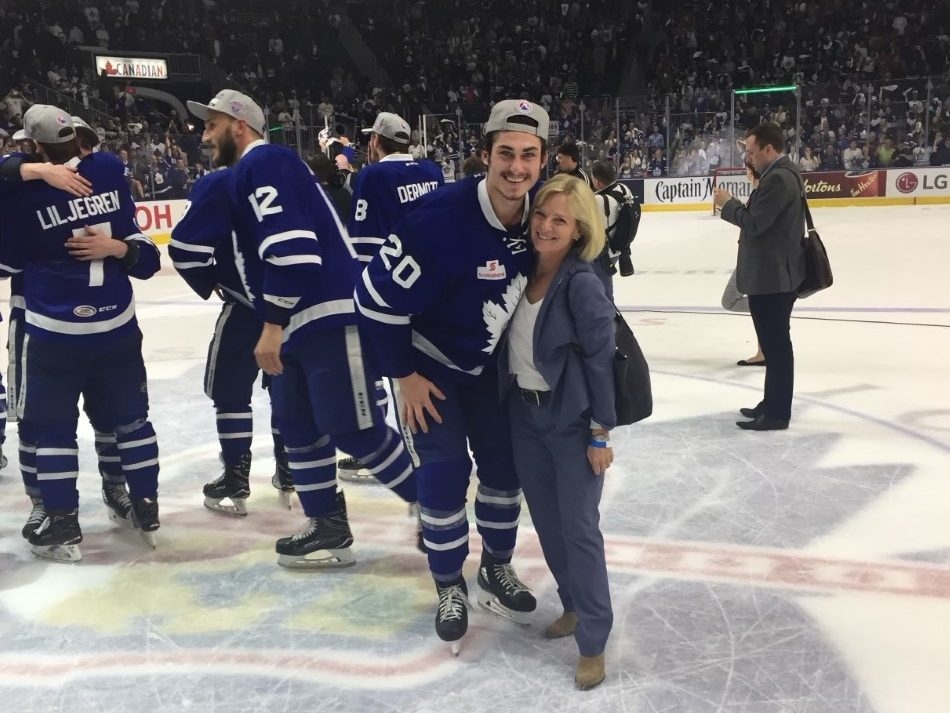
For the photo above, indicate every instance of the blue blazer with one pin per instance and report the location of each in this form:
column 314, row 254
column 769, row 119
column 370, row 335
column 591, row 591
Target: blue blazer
column 574, row 346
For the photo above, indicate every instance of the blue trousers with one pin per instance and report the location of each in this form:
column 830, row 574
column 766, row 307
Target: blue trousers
column 230, row 373
column 325, row 399
column 471, row 417
column 110, row 374
column 563, row 495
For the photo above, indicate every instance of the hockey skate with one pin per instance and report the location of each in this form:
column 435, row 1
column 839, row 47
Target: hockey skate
column 37, row 515
column 232, row 486
column 502, row 593
column 351, row 470
column 283, row 482
column 57, row 538
column 116, row 498
column 323, row 544
column 144, row 513
column 451, row 618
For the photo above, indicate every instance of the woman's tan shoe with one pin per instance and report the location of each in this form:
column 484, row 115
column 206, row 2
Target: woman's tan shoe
column 563, row 626
column 590, row 672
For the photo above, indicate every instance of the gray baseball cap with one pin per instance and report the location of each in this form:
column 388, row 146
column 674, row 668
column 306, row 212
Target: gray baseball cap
column 85, row 130
column 234, row 104
column 392, row 126
column 46, row 124
column 518, row 115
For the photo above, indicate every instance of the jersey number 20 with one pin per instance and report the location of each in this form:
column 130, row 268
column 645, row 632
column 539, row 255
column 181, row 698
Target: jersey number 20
column 406, row 271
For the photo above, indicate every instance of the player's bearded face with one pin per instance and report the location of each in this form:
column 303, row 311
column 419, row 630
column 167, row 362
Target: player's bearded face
column 224, row 150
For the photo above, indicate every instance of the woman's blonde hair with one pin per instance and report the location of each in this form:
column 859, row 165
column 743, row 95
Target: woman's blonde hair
column 580, row 198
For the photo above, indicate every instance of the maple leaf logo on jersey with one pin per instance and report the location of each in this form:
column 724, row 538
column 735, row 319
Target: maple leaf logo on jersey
column 497, row 316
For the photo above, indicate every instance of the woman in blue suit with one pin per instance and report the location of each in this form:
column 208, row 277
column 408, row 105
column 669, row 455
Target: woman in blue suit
column 557, row 375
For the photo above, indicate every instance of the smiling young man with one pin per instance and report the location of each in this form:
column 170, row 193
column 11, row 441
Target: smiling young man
column 434, row 303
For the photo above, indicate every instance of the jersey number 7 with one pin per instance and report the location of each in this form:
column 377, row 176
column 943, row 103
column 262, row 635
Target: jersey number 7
column 97, row 274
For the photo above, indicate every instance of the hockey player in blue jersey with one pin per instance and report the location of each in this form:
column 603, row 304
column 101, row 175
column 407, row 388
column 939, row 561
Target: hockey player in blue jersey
column 81, row 335
column 15, row 169
column 300, row 270
column 202, row 251
column 115, row 494
column 384, row 192
column 434, row 302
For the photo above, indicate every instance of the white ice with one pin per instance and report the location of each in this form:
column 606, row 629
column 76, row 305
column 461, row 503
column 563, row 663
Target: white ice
column 806, row 570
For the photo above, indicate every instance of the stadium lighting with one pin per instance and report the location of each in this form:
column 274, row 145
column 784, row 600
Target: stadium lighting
column 765, row 90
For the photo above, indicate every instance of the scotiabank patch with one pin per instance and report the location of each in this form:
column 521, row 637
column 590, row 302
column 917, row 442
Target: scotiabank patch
column 491, row 270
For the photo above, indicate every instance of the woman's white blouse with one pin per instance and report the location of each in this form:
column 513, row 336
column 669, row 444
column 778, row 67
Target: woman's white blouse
column 521, row 345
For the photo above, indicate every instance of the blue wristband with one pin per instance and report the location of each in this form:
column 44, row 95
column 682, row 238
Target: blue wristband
column 599, row 442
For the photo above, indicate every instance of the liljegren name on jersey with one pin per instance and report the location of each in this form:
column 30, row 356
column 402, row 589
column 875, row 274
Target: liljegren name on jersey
column 412, row 191
column 79, row 209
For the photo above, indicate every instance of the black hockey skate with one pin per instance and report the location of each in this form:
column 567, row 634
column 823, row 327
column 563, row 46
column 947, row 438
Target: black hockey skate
column 37, row 515
column 351, row 470
column 323, row 544
column 116, row 498
column 58, row 537
column 283, row 481
column 451, row 618
column 232, row 486
column 145, row 518
column 502, row 592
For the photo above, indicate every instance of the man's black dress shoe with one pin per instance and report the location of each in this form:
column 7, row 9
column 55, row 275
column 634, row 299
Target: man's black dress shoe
column 763, row 423
column 751, row 412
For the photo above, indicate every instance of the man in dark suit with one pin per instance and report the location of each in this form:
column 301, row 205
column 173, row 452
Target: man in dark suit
column 771, row 266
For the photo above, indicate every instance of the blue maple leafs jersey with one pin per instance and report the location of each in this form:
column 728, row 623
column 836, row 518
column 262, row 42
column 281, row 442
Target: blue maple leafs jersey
column 202, row 245
column 293, row 253
column 442, row 289
column 383, row 193
column 63, row 296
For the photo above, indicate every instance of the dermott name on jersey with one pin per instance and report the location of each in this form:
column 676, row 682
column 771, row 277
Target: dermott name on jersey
column 79, row 209
column 413, row 191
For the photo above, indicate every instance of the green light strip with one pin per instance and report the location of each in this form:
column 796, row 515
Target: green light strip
column 765, row 90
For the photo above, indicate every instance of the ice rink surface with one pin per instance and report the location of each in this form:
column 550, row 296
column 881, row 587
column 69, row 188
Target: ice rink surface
column 804, row 571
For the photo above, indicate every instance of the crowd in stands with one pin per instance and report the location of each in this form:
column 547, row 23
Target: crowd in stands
column 453, row 59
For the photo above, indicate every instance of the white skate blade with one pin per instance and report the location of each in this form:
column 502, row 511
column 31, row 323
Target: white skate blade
column 358, row 477
column 149, row 538
column 285, row 498
column 488, row 601
column 455, row 647
column 67, row 554
column 237, row 508
column 319, row 559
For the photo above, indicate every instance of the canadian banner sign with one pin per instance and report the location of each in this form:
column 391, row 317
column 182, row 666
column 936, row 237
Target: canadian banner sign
column 131, row 67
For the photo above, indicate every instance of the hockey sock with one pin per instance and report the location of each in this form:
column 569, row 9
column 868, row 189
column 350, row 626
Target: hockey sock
column 278, row 439
column 57, row 468
column 313, row 469
column 235, row 431
column 382, row 453
column 28, row 458
column 110, row 465
column 138, row 451
column 496, row 515
column 442, row 488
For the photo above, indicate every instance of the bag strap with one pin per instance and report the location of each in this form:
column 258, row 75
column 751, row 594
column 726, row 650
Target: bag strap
column 801, row 184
